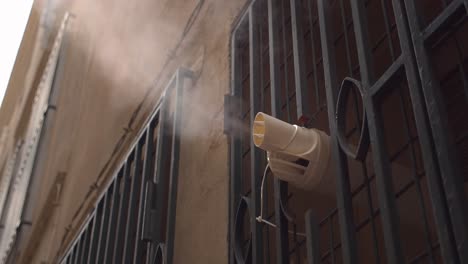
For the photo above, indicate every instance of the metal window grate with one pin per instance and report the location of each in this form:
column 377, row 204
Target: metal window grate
column 135, row 215
column 388, row 81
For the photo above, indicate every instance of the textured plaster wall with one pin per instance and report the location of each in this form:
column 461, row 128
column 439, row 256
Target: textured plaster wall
column 117, row 59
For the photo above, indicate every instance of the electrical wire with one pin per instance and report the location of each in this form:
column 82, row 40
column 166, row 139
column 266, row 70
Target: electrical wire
column 260, row 218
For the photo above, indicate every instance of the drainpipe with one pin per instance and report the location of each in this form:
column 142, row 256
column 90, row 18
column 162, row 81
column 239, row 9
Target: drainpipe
column 25, row 226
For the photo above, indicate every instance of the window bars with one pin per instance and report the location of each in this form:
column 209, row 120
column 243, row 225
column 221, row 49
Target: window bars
column 134, row 218
column 388, row 81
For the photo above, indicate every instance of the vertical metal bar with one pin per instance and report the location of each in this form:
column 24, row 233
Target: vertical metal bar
column 300, row 74
column 181, row 83
column 104, row 224
column 346, row 39
column 162, row 170
column 76, row 252
column 122, row 215
column 149, row 215
column 174, row 172
column 67, row 260
column 285, row 62
column 235, row 147
column 99, row 242
column 83, row 239
column 149, row 253
column 241, row 107
column 71, row 257
column 343, row 193
column 113, row 218
column 282, row 248
column 314, row 59
column 148, row 165
column 382, row 167
column 415, row 177
column 445, row 150
column 390, row 218
column 313, row 238
column 255, row 153
column 440, row 210
column 274, row 50
column 88, row 236
column 95, row 233
column 80, row 249
column 71, row 254
column 362, row 43
column 261, row 60
column 264, row 85
column 372, row 214
column 282, row 239
column 348, row 60
column 262, row 38
column 387, row 28
column 133, row 205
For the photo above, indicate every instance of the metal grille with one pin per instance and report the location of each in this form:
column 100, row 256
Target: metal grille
column 388, row 81
column 133, row 221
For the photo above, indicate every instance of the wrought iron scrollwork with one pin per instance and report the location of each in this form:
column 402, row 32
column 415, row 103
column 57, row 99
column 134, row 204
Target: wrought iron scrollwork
column 358, row 152
column 242, row 256
column 160, row 255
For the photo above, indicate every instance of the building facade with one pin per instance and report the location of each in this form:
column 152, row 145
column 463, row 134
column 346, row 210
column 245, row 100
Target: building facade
column 126, row 132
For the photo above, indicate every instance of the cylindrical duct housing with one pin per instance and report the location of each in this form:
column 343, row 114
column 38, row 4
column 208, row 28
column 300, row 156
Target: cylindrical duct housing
column 289, row 144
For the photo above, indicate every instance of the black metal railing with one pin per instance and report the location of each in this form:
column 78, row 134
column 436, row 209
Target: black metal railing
column 387, row 80
column 133, row 220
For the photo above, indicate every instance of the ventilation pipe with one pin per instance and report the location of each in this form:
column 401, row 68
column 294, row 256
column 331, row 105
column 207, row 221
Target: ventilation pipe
column 298, row 155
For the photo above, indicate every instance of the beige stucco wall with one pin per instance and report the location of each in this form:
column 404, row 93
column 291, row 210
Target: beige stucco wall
column 19, row 86
column 118, row 57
